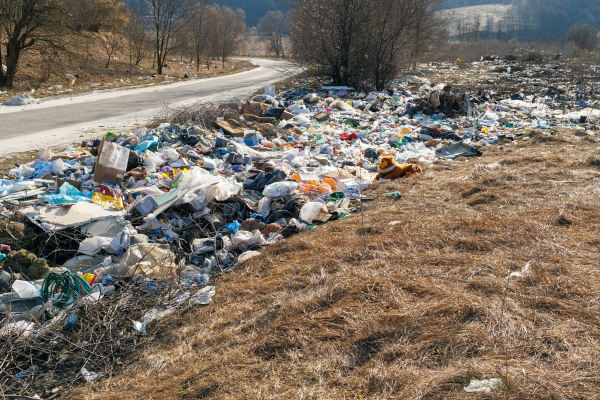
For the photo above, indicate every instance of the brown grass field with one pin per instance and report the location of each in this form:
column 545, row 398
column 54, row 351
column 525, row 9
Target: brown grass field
column 361, row 309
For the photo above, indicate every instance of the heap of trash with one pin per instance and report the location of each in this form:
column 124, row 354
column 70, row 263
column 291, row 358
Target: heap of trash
column 183, row 202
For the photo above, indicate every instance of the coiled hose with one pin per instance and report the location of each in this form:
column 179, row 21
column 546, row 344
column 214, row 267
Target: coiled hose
column 64, row 289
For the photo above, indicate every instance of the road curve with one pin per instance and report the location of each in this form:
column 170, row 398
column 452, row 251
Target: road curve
column 63, row 121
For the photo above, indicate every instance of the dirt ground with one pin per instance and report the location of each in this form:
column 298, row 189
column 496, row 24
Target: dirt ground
column 85, row 55
column 410, row 298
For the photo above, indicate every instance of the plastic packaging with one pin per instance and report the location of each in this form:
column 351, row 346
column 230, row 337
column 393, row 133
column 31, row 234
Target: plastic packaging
column 264, row 207
column 122, row 240
column 244, row 240
column 94, row 245
column 150, row 143
column 25, row 289
column 67, row 194
column 153, row 160
column 280, row 189
column 314, row 212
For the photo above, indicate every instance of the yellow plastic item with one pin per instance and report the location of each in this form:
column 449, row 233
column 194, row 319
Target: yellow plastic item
column 485, row 130
column 107, row 201
column 89, row 278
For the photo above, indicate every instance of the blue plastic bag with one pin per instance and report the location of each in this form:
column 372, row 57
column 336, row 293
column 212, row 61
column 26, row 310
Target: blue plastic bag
column 150, row 143
column 67, row 194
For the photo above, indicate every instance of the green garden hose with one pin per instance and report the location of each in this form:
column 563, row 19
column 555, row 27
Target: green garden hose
column 64, row 289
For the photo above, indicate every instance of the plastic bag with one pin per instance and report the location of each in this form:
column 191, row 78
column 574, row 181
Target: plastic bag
column 150, row 143
column 244, row 240
column 45, row 154
column 122, row 240
column 67, row 194
column 8, row 187
column 314, row 212
column 153, row 160
column 245, row 256
column 264, row 207
column 25, row 289
column 280, row 189
column 203, row 245
column 155, row 261
column 170, row 154
column 94, row 245
column 223, row 191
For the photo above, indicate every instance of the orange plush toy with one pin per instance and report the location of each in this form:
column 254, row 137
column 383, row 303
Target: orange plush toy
column 389, row 169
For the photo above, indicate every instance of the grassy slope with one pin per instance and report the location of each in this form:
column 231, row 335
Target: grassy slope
column 362, row 309
column 85, row 55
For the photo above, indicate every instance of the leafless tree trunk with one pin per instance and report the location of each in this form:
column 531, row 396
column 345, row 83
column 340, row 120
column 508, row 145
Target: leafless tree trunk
column 360, row 42
column 24, row 24
column 137, row 39
column 273, row 27
column 198, row 13
column 166, row 21
column 112, row 46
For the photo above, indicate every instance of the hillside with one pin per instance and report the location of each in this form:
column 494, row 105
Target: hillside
column 85, row 56
column 363, row 308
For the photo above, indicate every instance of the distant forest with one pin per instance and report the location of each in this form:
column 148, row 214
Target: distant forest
column 535, row 20
column 543, row 20
column 466, row 3
column 254, row 9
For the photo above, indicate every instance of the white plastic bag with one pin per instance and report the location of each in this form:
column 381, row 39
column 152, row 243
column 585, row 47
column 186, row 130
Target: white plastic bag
column 314, row 212
column 25, row 289
column 243, row 240
column 153, row 160
column 264, row 207
column 170, row 154
column 280, row 189
column 122, row 240
column 94, row 245
column 45, row 154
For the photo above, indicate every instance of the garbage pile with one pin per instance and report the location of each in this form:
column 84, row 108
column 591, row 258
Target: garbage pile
column 182, row 203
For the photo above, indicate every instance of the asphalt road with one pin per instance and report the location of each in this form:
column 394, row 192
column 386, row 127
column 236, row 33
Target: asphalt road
column 63, row 121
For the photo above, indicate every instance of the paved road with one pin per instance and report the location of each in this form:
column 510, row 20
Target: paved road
column 68, row 120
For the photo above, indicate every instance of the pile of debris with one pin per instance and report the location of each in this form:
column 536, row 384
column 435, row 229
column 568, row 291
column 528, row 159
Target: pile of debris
column 159, row 213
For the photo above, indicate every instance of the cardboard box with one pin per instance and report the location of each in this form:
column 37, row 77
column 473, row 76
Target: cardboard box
column 112, row 163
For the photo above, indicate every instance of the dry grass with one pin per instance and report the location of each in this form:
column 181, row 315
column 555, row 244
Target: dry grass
column 362, row 309
column 85, row 55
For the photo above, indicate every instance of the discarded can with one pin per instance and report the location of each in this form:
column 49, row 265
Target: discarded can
column 393, row 195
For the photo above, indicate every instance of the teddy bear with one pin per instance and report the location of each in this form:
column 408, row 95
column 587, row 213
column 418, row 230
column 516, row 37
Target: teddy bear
column 388, row 168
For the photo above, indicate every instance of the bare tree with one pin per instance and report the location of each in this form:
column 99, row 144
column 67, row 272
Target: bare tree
column 476, row 27
column 232, row 29
column 327, row 34
column 112, row 44
column 197, row 13
column 24, row 24
column 360, row 42
column 273, row 27
column 584, row 36
column 166, row 23
column 137, row 39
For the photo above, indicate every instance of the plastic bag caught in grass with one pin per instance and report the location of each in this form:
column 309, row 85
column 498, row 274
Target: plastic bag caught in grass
column 153, row 315
column 486, row 385
column 90, row 376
